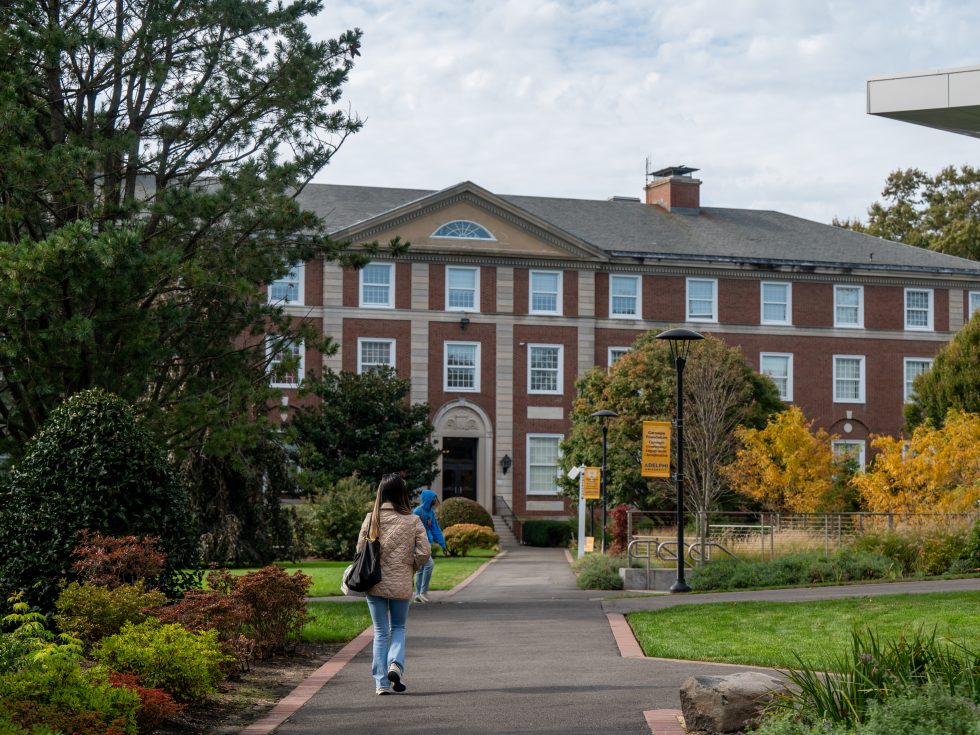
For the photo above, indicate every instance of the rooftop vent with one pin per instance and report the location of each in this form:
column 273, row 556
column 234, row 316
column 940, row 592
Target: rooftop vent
column 624, row 199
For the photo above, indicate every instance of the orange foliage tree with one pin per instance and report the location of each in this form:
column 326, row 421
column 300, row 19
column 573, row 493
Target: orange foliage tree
column 786, row 466
column 936, row 471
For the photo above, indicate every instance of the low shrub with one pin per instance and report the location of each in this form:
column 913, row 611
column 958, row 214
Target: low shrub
column 599, row 572
column 547, row 533
column 454, row 511
column 793, row 570
column 215, row 610
column 91, row 611
column 187, row 665
column 335, row 518
column 156, row 706
column 111, row 561
column 465, row 536
column 276, row 602
column 898, row 546
column 60, row 697
column 14, row 652
column 939, row 550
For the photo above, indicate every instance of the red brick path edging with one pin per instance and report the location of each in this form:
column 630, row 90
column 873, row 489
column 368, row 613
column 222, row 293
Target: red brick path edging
column 629, row 647
column 288, row 706
column 664, row 721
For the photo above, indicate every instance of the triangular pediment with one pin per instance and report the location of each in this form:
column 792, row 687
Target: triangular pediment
column 516, row 233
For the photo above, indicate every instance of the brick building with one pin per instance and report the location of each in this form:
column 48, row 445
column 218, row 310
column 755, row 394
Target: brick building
column 504, row 301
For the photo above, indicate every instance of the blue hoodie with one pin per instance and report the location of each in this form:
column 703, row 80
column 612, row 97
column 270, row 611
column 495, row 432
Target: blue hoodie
column 428, row 516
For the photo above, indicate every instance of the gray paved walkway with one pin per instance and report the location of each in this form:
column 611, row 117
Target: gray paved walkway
column 520, row 650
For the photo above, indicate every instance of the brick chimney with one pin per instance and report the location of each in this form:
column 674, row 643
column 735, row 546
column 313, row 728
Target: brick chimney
column 674, row 189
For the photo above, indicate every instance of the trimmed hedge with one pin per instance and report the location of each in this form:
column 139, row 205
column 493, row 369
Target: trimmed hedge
column 793, row 570
column 454, row 511
column 547, row 533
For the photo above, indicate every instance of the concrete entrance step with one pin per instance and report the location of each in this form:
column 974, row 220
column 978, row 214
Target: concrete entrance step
column 507, row 537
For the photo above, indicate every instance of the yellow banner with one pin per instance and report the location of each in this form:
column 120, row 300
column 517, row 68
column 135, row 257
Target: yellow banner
column 591, row 483
column 656, row 449
column 589, row 544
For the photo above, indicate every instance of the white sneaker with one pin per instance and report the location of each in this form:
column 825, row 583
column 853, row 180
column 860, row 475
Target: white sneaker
column 417, row 598
column 382, row 690
column 422, row 598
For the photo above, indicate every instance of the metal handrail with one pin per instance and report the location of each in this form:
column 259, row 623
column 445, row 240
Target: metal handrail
column 697, row 549
column 505, row 512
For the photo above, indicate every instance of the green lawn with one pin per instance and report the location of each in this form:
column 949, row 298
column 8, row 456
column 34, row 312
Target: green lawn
column 336, row 622
column 768, row 633
column 449, row 572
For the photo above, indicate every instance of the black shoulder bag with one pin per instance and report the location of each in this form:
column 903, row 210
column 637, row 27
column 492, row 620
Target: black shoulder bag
column 365, row 572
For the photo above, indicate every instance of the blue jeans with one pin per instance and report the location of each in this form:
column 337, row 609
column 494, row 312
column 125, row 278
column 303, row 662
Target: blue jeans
column 389, row 617
column 423, row 577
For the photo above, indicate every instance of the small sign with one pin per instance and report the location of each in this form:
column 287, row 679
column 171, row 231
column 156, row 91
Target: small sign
column 591, row 483
column 589, row 544
column 656, row 449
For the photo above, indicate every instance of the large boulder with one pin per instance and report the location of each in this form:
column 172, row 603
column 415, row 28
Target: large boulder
column 727, row 704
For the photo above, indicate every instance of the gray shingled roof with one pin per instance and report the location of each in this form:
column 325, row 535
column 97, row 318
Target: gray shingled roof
column 632, row 228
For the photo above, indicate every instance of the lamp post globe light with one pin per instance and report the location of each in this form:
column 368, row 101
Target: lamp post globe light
column 680, row 344
column 603, row 415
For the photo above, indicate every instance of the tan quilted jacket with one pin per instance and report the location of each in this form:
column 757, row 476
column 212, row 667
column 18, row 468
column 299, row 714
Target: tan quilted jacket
column 404, row 549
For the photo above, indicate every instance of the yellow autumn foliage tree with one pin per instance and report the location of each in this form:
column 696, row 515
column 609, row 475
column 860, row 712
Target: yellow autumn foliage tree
column 786, row 466
column 936, row 471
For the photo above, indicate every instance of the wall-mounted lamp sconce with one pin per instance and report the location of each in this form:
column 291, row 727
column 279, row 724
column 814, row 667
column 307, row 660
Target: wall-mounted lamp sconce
column 463, row 323
column 505, row 463
column 283, row 409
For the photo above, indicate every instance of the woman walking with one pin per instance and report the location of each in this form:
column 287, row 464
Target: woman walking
column 404, row 549
column 426, row 511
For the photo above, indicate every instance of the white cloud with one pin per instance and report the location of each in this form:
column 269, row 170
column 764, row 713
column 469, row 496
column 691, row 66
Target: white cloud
column 567, row 98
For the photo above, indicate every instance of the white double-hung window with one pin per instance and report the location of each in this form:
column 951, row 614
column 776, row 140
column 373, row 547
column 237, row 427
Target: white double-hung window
column 378, row 286
column 702, row 300
column 974, row 305
column 544, row 369
column 374, row 353
column 462, row 367
column 286, row 366
column 848, row 378
column 543, row 454
column 849, row 448
column 777, row 303
column 545, row 297
column 462, row 289
column 614, row 354
column 914, row 367
column 624, row 297
column 288, row 290
column 779, row 367
column 918, row 308
column 849, row 307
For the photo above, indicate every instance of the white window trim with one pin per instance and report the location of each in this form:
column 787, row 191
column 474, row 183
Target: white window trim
column 391, row 288
column 300, row 369
column 300, row 290
column 714, row 300
column 639, row 297
column 789, row 371
column 859, row 443
column 362, row 340
column 915, row 328
column 527, row 463
column 970, row 307
column 445, row 368
column 561, row 371
column 559, row 306
column 788, row 321
column 861, row 387
column 906, row 388
column 476, row 288
column 434, row 236
column 860, row 307
column 609, row 354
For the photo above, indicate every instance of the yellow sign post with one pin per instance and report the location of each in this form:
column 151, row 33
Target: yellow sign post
column 656, row 449
column 591, row 487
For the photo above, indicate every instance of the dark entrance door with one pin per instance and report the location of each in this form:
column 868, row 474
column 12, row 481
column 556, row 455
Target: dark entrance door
column 459, row 468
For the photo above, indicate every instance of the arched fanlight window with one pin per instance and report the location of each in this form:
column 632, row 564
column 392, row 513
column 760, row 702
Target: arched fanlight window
column 462, row 229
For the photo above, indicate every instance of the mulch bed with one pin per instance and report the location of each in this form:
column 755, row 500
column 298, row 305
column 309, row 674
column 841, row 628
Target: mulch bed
column 243, row 698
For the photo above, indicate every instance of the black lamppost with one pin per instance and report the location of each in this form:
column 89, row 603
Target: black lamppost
column 680, row 344
column 603, row 414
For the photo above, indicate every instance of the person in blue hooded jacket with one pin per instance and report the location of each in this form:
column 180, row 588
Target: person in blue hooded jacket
column 426, row 511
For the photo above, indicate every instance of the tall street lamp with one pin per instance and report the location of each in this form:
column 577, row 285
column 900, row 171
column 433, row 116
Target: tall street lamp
column 603, row 415
column 680, row 344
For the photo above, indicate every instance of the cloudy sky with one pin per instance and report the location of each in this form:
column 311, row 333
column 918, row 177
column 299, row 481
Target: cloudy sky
column 567, row 98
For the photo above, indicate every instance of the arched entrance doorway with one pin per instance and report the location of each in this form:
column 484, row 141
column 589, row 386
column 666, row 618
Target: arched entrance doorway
column 465, row 435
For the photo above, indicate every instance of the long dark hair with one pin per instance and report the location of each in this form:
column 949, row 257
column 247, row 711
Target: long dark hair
column 394, row 490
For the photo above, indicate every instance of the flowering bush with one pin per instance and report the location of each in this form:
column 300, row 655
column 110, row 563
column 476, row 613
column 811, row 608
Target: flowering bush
column 465, row 536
